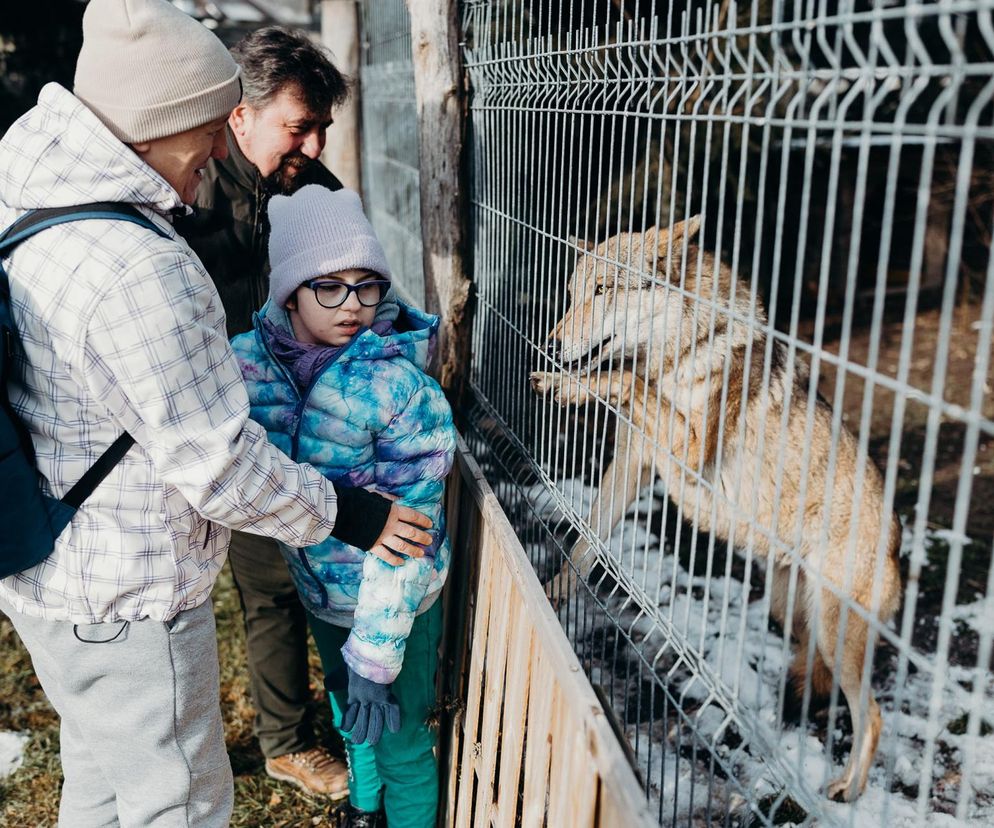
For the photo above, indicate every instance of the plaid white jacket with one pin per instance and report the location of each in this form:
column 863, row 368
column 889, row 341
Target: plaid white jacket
column 123, row 330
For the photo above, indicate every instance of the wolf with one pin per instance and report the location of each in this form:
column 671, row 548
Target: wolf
column 661, row 330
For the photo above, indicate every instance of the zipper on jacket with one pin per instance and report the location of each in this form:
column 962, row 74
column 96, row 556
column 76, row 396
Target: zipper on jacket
column 293, row 453
column 258, row 243
column 298, row 422
column 298, row 414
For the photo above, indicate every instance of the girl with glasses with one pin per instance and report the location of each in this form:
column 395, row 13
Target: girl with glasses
column 339, row 388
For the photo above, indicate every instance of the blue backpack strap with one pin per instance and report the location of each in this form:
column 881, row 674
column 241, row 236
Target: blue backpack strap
column 23, row 228
column 34, row 221
column 98, row 471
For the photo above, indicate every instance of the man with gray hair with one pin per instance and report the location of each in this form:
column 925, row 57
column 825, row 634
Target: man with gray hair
column 275, row 136
column 121, row 330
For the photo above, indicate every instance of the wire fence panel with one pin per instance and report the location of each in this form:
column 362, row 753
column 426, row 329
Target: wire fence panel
column 391, row 181
column 732, row 383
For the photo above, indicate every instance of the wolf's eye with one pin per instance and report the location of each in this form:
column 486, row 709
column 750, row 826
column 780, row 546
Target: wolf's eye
column 599, row 290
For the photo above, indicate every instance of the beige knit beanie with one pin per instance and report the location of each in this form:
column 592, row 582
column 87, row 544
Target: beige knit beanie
column 148, row 70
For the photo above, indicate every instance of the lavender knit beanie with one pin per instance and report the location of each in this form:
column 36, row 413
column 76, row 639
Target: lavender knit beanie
column 148, row 70
column 314, row 232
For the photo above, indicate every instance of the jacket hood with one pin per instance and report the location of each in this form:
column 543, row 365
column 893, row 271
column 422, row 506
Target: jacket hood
column 413, row 335
column 59, row 154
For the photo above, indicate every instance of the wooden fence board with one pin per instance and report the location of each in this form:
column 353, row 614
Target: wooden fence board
column 541, row 689
column 585, row 779
column 493, row 688
column 515, row 708
column 536, row 703
column 466, row 773
column 562, row 754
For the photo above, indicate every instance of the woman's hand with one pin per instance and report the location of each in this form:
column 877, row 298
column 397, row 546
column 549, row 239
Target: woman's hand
column 404, row 533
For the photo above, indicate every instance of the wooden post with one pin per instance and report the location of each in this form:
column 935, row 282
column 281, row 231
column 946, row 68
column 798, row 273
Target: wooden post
column 340, row 33
column 439, row 96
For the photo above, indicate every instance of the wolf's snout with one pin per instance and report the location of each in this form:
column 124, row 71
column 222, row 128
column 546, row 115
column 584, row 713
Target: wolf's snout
column 554, row 341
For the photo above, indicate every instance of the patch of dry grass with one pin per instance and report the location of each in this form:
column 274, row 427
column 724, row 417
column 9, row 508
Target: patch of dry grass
column 30, row 796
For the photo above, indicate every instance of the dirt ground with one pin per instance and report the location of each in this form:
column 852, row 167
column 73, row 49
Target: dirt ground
column 948, row 443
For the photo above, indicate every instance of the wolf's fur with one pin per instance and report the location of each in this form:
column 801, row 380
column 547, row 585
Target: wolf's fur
column 753, row 442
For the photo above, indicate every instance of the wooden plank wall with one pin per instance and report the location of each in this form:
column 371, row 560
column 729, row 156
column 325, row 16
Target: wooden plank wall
column 531, row 744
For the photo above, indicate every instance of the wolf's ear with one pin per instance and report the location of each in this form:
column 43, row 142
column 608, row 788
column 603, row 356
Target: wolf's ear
column 583, row 244
column 663, row 242
column 688, row 229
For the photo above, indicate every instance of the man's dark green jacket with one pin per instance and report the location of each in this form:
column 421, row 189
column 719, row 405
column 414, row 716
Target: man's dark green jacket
column 230, row 230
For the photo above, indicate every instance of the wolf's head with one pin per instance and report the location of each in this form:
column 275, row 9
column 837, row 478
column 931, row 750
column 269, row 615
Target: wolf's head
column 624, row 295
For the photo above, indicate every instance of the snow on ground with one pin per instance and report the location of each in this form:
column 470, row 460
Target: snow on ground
column 11, row 751
column 723, row 619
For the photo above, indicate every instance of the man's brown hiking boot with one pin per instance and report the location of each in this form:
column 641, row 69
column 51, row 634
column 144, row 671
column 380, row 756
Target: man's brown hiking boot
column 315, row 771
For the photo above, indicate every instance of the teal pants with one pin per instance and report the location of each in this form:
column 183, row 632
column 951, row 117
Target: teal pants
column 399, row 772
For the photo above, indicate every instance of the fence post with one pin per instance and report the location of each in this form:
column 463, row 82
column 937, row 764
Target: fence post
column 440, row 103
column 340, row 33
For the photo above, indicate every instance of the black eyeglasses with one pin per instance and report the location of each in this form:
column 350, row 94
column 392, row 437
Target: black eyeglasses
column 334, row 294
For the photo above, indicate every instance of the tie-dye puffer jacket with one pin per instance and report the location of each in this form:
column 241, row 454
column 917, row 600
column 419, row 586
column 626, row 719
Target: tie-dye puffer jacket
column 371, row 418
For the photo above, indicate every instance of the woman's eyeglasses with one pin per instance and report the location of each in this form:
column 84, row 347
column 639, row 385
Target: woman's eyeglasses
column 333, row 294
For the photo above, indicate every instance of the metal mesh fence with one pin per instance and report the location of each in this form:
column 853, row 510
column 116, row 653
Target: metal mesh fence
column 390, row 141
column 732, row 377
column 780, row 286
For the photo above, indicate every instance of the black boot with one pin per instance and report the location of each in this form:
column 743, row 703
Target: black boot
column 354, row 818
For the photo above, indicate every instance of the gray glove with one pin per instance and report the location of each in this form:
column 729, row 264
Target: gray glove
column 370, row 705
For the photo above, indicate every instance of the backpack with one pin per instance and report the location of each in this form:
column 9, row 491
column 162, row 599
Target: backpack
column 30, row 521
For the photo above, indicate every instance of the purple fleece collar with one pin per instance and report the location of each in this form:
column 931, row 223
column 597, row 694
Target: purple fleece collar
column 304, row 361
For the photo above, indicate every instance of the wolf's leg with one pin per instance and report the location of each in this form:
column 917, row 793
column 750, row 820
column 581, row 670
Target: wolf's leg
column 623, row 479
column 866, row 723
column 793, row 619
column 613, row 386
column 564, row 389
column 799, row 630
column 571, row 389
column 653, row 412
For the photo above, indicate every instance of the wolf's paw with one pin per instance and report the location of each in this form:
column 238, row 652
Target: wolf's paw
column 842, row 789
column 562, row 388
column 542, row 382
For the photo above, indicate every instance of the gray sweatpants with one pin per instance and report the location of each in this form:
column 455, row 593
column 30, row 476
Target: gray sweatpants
column 142, row 741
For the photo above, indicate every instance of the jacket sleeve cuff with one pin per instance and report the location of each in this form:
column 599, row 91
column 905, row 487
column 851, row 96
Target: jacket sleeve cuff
column 361, row 518
column 367, row 667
